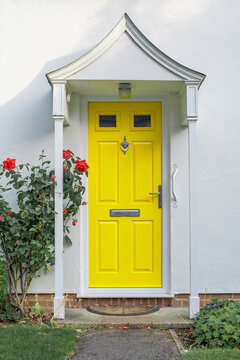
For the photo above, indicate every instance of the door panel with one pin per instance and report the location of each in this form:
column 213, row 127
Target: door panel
column 143, row 246
column 108, row 175
column 124, row 251
column 142, row 170
column 108, row 246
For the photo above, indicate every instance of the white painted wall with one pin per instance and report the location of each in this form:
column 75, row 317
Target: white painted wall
column 180, row 214
column 38, row 37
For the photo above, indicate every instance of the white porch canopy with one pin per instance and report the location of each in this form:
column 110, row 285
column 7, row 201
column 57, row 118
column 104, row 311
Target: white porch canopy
column 125, row 55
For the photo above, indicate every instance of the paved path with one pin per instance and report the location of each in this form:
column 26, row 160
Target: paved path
column 126, row 345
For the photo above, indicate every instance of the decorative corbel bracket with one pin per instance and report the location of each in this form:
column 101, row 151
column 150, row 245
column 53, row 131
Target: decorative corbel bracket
column 60, row 104
column 189, row 101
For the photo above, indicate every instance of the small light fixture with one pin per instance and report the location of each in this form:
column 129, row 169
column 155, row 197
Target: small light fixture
column 124, row 90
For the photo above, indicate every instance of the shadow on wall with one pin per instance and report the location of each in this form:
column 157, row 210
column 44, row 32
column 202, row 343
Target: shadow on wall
column 26, row 120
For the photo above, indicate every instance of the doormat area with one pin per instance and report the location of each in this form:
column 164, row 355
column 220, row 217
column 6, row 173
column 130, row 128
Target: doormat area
column 123, row 310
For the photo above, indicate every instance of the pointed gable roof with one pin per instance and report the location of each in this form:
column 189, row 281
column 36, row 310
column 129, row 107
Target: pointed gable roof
column 125, row 26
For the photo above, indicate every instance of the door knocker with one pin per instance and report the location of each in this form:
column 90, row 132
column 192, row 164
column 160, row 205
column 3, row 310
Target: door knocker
column 124, row 145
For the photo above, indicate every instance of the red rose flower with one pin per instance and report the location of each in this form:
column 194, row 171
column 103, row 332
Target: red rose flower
column 53, row 177
column 9, row 164
column 66, row 154
column 79, row 188
column 84, row 203
column 8, row 213
column 74, row 222
column 81, row 166
column 0, row 218
column 64, row 168
column 64, row 211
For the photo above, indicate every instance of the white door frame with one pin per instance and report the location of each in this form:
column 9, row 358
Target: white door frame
column 165, row 291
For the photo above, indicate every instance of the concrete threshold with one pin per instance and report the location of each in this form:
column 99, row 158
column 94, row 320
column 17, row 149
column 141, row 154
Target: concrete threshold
column 168, row 317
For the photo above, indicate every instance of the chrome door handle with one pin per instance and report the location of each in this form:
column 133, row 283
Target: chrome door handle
column 159, row 193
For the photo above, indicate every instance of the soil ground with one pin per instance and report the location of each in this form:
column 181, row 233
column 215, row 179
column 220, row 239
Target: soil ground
column 185, row 336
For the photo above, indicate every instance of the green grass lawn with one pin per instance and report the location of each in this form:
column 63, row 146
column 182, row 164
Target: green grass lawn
column 28, row 342
column 213, row 354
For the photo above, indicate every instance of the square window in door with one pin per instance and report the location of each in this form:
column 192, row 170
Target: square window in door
column 140, row 121
column 107, row 121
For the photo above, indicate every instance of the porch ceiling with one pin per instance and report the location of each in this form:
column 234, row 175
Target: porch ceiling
column 138, row 87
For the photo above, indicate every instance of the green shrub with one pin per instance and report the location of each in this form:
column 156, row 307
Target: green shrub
column 218, row 324
column 27, row 229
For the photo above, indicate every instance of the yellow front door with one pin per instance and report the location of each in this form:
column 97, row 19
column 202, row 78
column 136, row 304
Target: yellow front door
column 125, row 247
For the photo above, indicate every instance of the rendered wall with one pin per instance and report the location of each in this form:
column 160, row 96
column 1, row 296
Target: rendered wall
column 38, row 37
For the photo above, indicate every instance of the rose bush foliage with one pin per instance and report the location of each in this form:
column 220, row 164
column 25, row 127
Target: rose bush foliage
column 27, row 228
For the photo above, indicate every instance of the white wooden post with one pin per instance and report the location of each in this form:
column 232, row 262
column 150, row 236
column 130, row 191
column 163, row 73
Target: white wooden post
column 59, row 109
column 191, row 119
